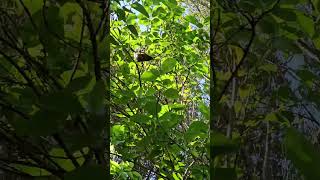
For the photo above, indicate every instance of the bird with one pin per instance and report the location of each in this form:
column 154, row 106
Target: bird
column 141, row 56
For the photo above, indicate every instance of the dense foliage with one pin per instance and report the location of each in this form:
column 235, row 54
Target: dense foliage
column 54, row 112
column 265, row 71
column 160, row 117
column 227, row 89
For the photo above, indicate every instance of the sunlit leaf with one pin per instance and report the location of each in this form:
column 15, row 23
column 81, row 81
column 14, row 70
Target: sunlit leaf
column 148, row 76
column 171, row 93
column 140, row 8
column 168, row 65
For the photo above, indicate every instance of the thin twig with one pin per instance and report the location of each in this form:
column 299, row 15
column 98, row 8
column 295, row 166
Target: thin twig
column 66, row 150
column 23, row 74
column 96, row 61
column 80, row 50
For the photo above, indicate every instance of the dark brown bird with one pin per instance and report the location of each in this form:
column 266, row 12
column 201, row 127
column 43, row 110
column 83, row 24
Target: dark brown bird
column 141, row 57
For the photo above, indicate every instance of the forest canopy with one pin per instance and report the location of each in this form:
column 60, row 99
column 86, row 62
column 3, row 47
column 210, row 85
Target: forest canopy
column 159, row 89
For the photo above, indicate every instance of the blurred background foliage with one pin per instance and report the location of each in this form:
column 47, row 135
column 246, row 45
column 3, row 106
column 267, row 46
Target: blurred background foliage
column 71, row 86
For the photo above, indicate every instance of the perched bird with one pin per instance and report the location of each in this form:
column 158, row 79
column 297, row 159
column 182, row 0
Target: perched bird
column 144, row 57
column 141, row 56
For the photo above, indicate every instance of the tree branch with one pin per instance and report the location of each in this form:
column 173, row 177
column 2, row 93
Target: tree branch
column 23, row 74
column 93, row 38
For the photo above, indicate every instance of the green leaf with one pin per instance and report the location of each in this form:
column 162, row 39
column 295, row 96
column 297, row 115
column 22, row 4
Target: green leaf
column 290, row 2
column 170, row 3
column 36, row 50
column 62, row 2
column 29, row 36
column 113, row 41
column 33, row 171
column 171, row 93
column 222, row 145
column 306, row 24
column 61, row 159
column 244, row 92
column 140, row 118
column 133, row 30
column 95, row 172
column 193, row 20
column 148, row 76
column 316, row 41
column 42, row 123
column 69, row 9
column 160, row 12
column 136, row 175
column 169, row 120
column 196, row 129
column 285, row 14
column 140, row 8
column 71, row 13
column 54, row 21
column 204, row 109
column 271, row 117
column 177, row 176
column 168, row 65
column 284, row 92
column 285, row 44
column 76, row 140
column 131, row 19
column 118, row 133
column 306, row 75
column 268, row 25
column 96, row 99
column 27, row 98
column 121, row 14
column 156, row 2
column 61, row 101
column 79, row 83
column 152, row 107
column 177, row 106
column 303, row 154
column 33, row 5
column 269, row 67
column 237, row 106
column 267, row 4
column 248, row 5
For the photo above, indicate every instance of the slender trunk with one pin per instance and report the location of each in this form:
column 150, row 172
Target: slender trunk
column 266, row 152
column 108, row 96
column 230, row 117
